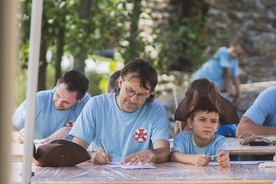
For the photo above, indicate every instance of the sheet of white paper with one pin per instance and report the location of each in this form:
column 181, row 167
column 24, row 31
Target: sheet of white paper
column 268, row 164
column 37, row 141
column 238, row 162
column 114, row 164
column 128, row 166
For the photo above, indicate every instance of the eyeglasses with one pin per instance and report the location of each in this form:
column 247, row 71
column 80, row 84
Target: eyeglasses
column 140, row 96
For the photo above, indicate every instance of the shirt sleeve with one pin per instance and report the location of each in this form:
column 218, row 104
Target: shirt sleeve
column 84, row 127
column 179, row 141
column 221, row 144
column 161, row 125
column 224, row 58
column 261, row 108
column 19, row 115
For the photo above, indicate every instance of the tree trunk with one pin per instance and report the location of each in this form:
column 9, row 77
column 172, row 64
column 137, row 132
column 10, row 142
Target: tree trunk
column 59, row 51
column 42, row 66
column 134, row 30
column 84, row 13
column 79, row 63
column 42, row 55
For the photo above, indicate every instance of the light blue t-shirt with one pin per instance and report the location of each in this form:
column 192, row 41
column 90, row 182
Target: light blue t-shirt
column 263, row 110
column 47, row 118
column 183, row 143
column 122, row 133
column 213, row 69
column 227, row 130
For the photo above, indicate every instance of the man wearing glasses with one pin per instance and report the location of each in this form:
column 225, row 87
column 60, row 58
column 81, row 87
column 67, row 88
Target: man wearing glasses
column 127, row 126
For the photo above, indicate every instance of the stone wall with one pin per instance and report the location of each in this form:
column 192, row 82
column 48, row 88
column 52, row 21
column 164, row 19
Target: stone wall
column 254, row 20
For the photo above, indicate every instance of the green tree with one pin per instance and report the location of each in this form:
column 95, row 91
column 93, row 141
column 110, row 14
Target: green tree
column 83, row 28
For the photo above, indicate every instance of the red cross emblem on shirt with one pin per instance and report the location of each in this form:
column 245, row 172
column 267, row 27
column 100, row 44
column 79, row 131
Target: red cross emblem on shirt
column 141, row 135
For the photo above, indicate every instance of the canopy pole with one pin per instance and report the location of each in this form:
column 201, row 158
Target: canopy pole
column 176, row 105
column 33, row 66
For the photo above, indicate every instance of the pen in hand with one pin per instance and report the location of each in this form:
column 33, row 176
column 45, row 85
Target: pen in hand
column 102, row 145
column 212, row 157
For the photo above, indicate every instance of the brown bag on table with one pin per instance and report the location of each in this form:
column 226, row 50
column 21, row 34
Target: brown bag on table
column 60, row 153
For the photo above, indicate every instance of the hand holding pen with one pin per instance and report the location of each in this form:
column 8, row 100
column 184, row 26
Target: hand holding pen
column 212, row 157
column 101, row 157
column 105, row 155
column 223, row 159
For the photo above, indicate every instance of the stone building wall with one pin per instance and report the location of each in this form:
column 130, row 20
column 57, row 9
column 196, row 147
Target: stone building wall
column 254, row 20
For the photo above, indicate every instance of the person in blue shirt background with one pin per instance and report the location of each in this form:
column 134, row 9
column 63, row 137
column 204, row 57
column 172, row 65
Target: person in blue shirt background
column 223, row 70
column 56, row 109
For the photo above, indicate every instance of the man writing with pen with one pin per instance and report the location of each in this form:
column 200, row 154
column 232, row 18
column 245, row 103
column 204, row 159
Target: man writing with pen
column 129, row 125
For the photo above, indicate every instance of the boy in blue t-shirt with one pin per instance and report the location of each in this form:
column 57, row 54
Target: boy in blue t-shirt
column 203, row 109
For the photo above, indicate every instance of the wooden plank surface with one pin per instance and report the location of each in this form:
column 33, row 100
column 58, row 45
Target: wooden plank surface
column 169, row 172
column 237, row 149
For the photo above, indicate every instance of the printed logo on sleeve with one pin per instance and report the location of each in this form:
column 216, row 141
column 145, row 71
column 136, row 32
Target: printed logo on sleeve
column 69, row 124
column 141, row 135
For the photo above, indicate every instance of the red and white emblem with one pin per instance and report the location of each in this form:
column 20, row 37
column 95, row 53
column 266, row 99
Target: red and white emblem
column 69, row 123
column 141, row 135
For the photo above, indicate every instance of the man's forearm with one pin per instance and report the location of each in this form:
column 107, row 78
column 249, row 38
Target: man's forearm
column 237, row 85
column 160, row 155
column 246, row 125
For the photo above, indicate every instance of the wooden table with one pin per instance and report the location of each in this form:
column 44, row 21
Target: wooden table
column 17, row 151
column 237, row 149
column 18, row 148
column 170, row 172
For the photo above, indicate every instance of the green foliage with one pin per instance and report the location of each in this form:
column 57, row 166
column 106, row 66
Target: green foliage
column 103, row 84
column 94, row 81
column 184, row 39
column 114, row 25
column 113, row 66
column 50, row 73
column 22, row 80
column 21, row 88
